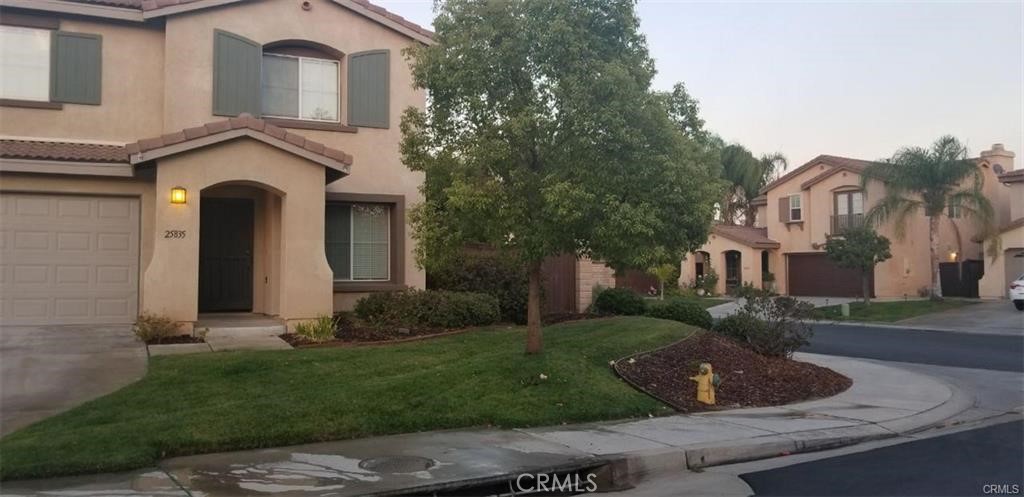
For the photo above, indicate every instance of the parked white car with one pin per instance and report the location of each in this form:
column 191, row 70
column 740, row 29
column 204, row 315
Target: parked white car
column 1017, row 292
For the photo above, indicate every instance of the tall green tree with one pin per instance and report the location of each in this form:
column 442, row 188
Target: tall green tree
column 928, row 180
column 859, row 248
column 542, row 137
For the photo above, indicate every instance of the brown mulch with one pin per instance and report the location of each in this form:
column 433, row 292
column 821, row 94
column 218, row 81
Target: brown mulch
column 748, row 379
column 176, row 339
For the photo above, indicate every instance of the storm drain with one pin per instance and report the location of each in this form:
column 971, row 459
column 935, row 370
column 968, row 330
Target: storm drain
column 397, row 464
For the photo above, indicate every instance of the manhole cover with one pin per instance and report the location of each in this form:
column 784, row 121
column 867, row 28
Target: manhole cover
column 397, row 464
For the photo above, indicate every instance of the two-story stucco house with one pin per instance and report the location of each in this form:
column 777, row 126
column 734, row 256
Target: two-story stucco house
column 183, row 157
column 799, row 211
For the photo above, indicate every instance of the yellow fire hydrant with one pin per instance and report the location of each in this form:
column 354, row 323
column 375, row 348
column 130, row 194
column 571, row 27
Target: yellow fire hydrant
column 706, row 383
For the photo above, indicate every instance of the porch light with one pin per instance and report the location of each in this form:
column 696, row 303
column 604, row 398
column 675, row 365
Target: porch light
column 952, row 257
column 178, row 195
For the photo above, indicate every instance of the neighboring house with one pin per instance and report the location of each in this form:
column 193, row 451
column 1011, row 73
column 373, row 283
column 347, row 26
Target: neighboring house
column 135, row 178
column 799, row 211
column 1009, row 265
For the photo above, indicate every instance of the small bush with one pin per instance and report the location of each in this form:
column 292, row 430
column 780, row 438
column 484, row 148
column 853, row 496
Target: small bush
column 772, row 326
column 494, row 274
column 429, row 309
column 708, row 282
column 619, row 301
column 680, row 310
column 319, row 330
column 154, row 328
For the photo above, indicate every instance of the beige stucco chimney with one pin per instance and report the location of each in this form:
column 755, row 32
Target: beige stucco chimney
column 1000, row 161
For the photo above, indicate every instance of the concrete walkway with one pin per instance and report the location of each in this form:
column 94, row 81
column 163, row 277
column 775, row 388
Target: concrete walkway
column 48, row 369
column 883, row 402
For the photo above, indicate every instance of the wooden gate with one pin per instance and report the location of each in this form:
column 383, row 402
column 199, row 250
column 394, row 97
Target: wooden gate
column 640, row 282
column 559, row 274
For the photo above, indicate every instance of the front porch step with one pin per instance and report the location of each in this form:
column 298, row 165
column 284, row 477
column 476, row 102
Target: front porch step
column 239, row 325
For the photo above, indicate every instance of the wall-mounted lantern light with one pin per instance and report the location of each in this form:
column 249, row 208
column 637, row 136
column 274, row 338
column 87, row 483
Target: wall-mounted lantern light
column 179, row 195
column 952, row 257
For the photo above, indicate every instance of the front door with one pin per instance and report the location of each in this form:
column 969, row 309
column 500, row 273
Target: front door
column 225, row 254
column 732, row 271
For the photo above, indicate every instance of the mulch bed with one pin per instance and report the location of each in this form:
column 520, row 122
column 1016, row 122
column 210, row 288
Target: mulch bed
column 748, row 379
column 177, row 339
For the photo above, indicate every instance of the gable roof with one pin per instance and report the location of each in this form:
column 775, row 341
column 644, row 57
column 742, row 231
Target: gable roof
column 837, row 162
column 747, row 235
column 142, row 10
column 337, row 162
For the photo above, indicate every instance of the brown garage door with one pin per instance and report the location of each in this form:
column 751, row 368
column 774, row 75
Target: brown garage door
column 815, row 275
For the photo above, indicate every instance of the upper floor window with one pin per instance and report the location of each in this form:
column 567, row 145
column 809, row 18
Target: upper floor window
column 24, row 63
column 849, row 203
column 44, row 65
column 300, row 88
column 795, row 212
column 953, row 211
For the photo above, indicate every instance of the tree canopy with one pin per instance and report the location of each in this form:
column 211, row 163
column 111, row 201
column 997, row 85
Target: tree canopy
column 542, row 137
column 859, row 248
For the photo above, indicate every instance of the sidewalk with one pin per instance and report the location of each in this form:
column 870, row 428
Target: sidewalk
column 883, row 402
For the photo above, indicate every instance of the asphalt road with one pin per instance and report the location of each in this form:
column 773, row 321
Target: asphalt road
column 958, row 464
column 943, row 348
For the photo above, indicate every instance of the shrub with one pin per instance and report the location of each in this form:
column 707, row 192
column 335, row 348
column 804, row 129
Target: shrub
column 319, row 330
column 619, row 301
column 154, row 328
column 428, row 309
column 501, row 277
column 680, row 310
column 708, row 282
column 772, row 326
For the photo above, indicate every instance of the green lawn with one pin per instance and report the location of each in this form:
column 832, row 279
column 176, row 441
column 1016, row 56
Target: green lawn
column 888, row 311
column 704, row 302
column 240, row 400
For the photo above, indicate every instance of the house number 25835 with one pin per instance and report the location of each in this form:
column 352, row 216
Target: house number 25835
column 174, row 233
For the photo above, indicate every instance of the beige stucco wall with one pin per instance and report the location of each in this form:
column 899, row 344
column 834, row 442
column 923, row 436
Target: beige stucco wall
column 716, row 247
column 590, row 274
column 297, row 280
column 377, row 166
column 132, row 90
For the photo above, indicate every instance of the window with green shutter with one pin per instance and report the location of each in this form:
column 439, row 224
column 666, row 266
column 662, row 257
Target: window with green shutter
column 358, row 241
column 76, row 68
column 236, row 74
column 368, row 89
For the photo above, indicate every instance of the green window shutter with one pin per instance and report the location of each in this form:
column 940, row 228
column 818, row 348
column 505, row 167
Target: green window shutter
column 369, row 89
column 236, row 74
column 76, row 68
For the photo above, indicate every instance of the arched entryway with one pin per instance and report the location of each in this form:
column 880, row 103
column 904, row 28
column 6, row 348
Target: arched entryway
column 239, row 238
column 701, row 264
column 733, row 276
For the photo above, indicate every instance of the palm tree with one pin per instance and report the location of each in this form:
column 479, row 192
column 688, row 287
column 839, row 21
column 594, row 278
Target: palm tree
column 928, row 180
column 745, row 175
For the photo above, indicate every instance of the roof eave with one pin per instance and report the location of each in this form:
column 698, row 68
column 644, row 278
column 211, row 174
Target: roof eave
column 84, row 9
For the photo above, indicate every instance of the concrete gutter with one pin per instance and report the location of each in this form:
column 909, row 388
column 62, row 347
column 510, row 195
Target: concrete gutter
column 884, row 402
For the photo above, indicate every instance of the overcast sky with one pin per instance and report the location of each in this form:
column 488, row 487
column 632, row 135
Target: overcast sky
column 858, row 79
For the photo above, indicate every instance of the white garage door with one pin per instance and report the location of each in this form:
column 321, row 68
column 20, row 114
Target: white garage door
column 67, row 259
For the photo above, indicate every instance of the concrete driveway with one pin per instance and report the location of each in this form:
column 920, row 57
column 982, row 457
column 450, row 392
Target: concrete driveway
column 993, row 317
column 48, row 369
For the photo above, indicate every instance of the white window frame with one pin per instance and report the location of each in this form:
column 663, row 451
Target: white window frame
column 351, row 243
column 337, row 66
column 799, row 206
column 49, row 64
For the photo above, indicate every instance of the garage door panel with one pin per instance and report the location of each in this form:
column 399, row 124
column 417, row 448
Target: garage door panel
column 70, row 259
column 815, row 275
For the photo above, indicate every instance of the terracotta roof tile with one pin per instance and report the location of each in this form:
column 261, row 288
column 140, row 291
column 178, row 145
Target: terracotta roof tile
column 244, row 121
column 1014, row 176
column 832, row 160
column 747, row 235
column 62, row 151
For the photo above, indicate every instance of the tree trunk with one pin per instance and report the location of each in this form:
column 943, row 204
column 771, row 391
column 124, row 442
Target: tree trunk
column 865, row 287
column 933, row 252
column 661, row 296
column 534, row 340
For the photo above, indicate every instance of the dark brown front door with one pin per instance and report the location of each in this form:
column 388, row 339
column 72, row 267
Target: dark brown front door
column 225, row 254
column 733, row 278
column 815, row 275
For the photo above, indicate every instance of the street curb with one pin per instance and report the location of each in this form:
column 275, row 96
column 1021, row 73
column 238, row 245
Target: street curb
column 896, row 326
column 666, row 461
